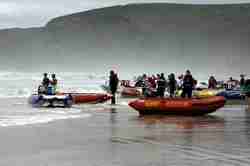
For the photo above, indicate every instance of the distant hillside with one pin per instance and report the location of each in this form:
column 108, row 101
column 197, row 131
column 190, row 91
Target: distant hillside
column 136, row 38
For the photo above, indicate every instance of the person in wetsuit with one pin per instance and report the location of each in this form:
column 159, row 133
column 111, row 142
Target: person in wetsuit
column 188, row 84
column 172, row 84
column 113, row 84
column 45, row 82
column 161, row 85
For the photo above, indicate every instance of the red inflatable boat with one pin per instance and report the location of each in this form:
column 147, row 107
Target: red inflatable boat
column 178, row 106
column 131, row 92
column 80, row 98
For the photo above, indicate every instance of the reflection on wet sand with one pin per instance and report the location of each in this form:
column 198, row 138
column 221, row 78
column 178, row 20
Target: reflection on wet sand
column 183, row 122
column 218, row 139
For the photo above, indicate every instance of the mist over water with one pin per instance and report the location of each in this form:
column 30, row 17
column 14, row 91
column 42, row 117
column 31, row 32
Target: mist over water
column 135, row 39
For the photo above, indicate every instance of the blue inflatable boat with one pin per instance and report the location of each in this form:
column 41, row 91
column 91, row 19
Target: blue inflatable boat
column 43, row 100
column 231, row 94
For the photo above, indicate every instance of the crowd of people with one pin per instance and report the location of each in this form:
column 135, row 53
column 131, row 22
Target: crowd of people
column 155, row 86
column 230, row 84
column 48, row 86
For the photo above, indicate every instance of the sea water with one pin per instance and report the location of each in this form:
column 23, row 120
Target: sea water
column 113, row 135
column 16, row 87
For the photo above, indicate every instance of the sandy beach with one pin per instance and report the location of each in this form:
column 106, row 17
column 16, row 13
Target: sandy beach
column 116, row 135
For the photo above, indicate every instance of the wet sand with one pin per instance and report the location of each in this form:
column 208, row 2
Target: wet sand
column 117, row 136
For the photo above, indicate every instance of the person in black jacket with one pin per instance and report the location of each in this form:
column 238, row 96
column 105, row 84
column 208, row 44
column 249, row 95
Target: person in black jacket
column 242, row 80
column 188, row 84
column 113, row 84
column 161, row 85
column 45, row 83
column 172, row 84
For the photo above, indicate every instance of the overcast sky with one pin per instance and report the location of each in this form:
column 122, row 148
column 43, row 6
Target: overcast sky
column 35, row 13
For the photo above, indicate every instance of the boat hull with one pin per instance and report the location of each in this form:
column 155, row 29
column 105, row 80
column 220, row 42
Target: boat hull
column 42, row 100
column 130, row 92
column 81, row 98
column 183, row 107
column 232, row 95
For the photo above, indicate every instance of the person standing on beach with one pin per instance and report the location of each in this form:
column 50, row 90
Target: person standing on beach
column 161, row 85
column 246, row 91
column 172, row 84
column 144, row 84
column 188, row 84
column 212, row 83
column 113, row 84
column 242, row 80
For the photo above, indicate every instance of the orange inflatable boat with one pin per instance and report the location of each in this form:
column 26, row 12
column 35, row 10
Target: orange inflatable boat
column 178, row 106
column 80, row 98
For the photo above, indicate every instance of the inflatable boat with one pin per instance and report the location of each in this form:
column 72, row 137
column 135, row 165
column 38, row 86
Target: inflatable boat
column 232, row 94
column 81, row 98
column 131, row 92
column 178, row 106
column 42, row 100
column 204, row 93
